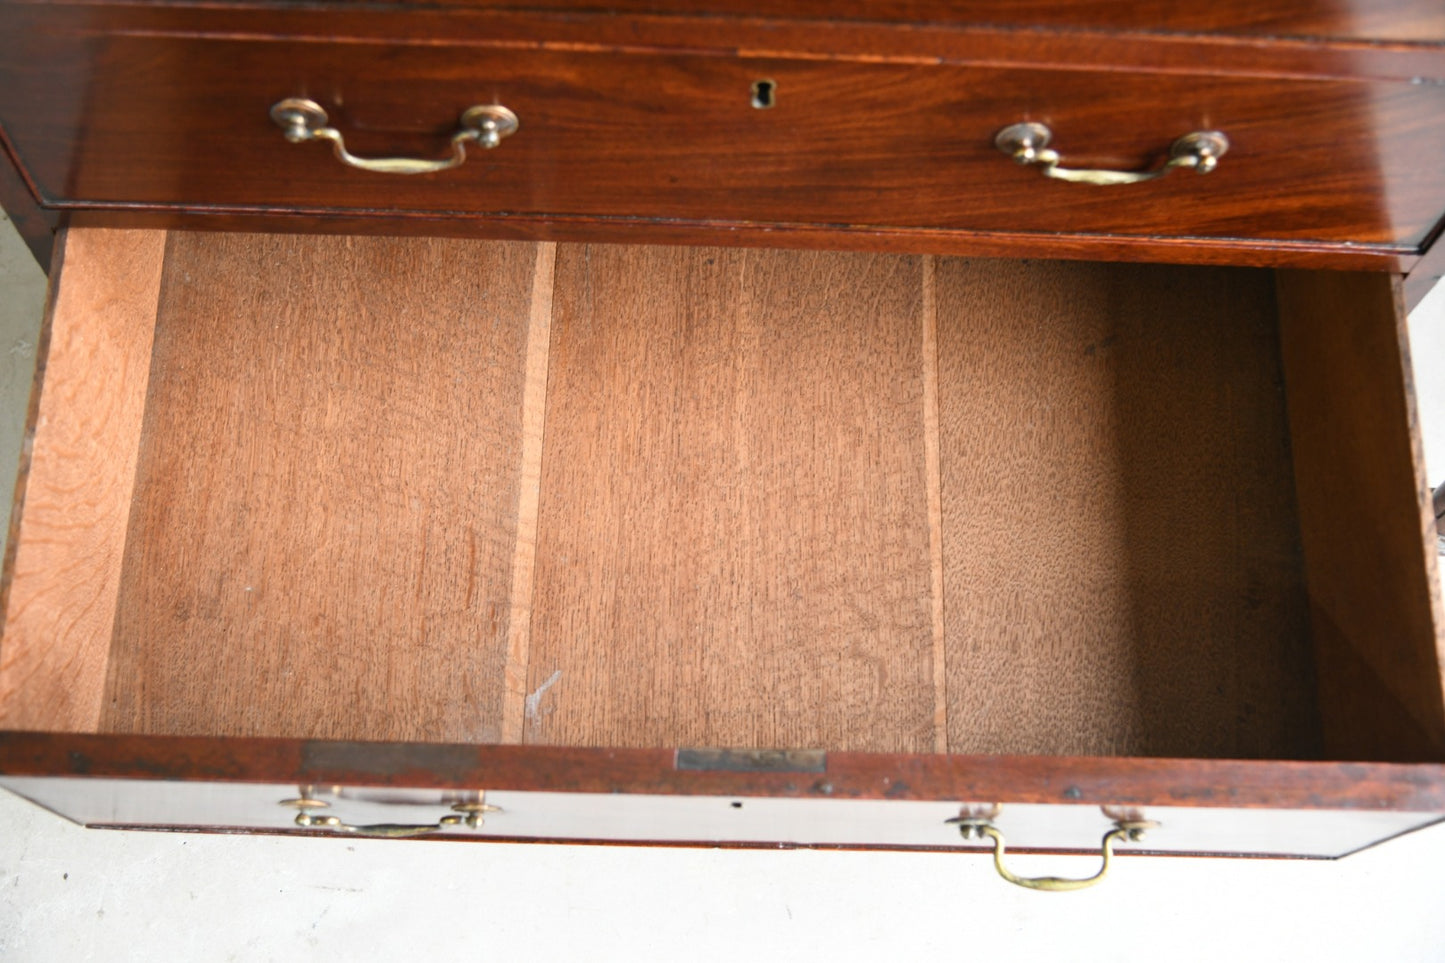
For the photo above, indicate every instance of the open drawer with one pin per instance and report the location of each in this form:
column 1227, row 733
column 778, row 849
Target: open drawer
column 562, row 523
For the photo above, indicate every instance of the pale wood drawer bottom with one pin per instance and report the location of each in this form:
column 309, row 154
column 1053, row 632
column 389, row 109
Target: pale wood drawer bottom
column 437, row 491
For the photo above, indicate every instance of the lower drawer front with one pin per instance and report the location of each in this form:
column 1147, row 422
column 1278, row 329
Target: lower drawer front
column 182, row 122
column 703, row 820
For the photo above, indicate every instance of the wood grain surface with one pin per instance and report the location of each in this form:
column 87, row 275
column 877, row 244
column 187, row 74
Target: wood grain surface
column 774, row 33
column 35, row 225
column 734, row 547
column 1084, row 781
column 1122, row 563
column 1241, row 252
column 529, row 493
column 1421, row 279
column 323, row 535
column 1366, row 516
column 932, row 439
column 1406, row 20
column 451, row 491
column 629, row 131
column 70, row 523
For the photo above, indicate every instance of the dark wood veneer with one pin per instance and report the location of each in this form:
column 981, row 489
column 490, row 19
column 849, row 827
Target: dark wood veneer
column 790, row 31
column 36, row 225
column 638, row 128
column 1364, row 514
column 1398, row 20
column 1244, row 252
column 625, row 124
column 1427, row 272
column 1022, row 779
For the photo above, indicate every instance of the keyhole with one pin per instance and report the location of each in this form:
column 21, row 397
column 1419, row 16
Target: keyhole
column 764, row 94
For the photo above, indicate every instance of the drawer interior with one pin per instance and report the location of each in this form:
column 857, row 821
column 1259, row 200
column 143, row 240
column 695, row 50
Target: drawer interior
column 597, row 495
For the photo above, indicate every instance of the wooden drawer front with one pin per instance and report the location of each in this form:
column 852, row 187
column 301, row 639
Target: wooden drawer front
column 712, row 820
column 171, row 122
column 1409, row 20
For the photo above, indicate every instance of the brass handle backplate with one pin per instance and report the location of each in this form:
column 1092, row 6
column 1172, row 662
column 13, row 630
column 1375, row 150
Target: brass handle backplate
column 1028, row 143
column 1131, row 831
column 470, row 814
column 302, row 120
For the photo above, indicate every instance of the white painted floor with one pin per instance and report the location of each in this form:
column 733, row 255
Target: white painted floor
column 68, row 893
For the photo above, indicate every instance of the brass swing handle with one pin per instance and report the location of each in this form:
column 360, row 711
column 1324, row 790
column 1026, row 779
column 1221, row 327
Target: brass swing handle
column 469, row 814
column 1122, row 832
column 302, row 120
column 1028, row 143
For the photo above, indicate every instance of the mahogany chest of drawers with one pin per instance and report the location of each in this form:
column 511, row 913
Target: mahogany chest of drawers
column 839, row 426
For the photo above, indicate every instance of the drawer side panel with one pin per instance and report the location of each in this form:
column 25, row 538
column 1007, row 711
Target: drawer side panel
column 1366, row 516
column 73, row 521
